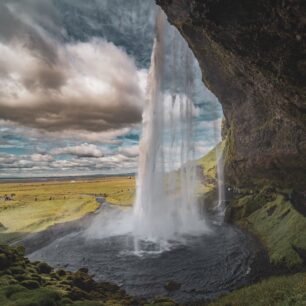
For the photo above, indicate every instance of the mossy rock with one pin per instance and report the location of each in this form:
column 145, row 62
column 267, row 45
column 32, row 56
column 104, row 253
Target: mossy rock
column 172, row 286
column 78, row 294
column 162, row 302
column 61, row 272
column 20, row 250
column 17, row 270
column 21, row 277
column 6, row 280
column 44, row 268
column 83, row 270
column 83, row 281
column 66, row 301
column 4, row 261
column 30, row 284
column 279, row 226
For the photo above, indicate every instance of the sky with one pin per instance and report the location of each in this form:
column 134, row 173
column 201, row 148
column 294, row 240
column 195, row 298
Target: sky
column 73, row 83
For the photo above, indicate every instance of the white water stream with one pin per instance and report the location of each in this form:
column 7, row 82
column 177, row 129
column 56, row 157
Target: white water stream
column 165, row 206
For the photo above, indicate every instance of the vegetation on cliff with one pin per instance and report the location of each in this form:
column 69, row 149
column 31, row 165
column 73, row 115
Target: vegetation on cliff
column 271, row 215
column 275, row 291
column 252, row 57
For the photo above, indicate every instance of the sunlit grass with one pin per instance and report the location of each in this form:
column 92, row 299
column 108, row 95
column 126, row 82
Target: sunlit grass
column 38, row 205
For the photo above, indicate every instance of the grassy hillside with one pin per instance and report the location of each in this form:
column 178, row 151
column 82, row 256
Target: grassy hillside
column 275, row 291
column 280, row 227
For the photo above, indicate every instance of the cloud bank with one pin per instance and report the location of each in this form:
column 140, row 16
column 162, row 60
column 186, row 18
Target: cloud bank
column 94, row 87
column 49, row 85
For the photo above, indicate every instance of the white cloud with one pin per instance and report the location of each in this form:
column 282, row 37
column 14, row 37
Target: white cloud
column 104, row 137
column 41, row 157
column 92, row 86
column 83, row 150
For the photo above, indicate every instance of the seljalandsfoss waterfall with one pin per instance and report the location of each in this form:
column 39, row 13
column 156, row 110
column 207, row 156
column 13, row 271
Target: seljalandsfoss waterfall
column 169, row 234
column 165, row 206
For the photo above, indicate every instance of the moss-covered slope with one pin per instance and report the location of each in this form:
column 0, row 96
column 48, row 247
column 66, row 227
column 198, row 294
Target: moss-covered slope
column 271, row 215
column 25, row 283
column 275, row 291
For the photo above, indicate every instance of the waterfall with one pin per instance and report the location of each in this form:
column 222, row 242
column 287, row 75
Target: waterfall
column 165, row 207
column 220, row 207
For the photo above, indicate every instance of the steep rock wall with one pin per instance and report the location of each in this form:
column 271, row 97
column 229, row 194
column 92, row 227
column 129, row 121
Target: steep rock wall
column 253, row 57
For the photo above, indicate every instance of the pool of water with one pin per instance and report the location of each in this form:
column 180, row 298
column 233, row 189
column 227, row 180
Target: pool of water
column 205, row 266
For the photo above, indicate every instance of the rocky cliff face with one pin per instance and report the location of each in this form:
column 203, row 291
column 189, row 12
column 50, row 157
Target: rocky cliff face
column 253, row 57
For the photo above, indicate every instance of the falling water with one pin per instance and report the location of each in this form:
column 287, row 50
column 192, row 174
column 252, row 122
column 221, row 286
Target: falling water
column 220, row 207
column 165, row 206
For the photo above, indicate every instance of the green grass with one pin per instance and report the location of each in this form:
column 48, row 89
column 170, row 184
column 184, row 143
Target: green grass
column 275, row 291
column 281, row 230
column 275, row 221
column 208, row 165
column 37, row 206
column 17, row 295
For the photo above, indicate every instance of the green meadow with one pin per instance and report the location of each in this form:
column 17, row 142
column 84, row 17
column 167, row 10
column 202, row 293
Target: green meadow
column 35, row 206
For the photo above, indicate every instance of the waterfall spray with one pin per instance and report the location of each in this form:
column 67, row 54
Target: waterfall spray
column 165, row 206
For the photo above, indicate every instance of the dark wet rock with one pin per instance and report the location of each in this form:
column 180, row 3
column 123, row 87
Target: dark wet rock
column 301, row 252
column 4, row 261
column 78, row 294
column 172, row 286
column 252, row 55
column 83, row 281
column 61, row 272
column 20, row 277
column 83, row 270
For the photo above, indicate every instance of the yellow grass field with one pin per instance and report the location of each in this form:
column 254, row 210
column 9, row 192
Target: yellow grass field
column 37, row 205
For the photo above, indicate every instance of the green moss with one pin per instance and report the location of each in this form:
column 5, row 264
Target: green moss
column 230, row 146
column 280, row 231
column 19, row 296
column 30, row 284
column 162, row 302
column 25, row 283
column 44, row 268
column 275, row 291
column 208, row 166
column 275, row 221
